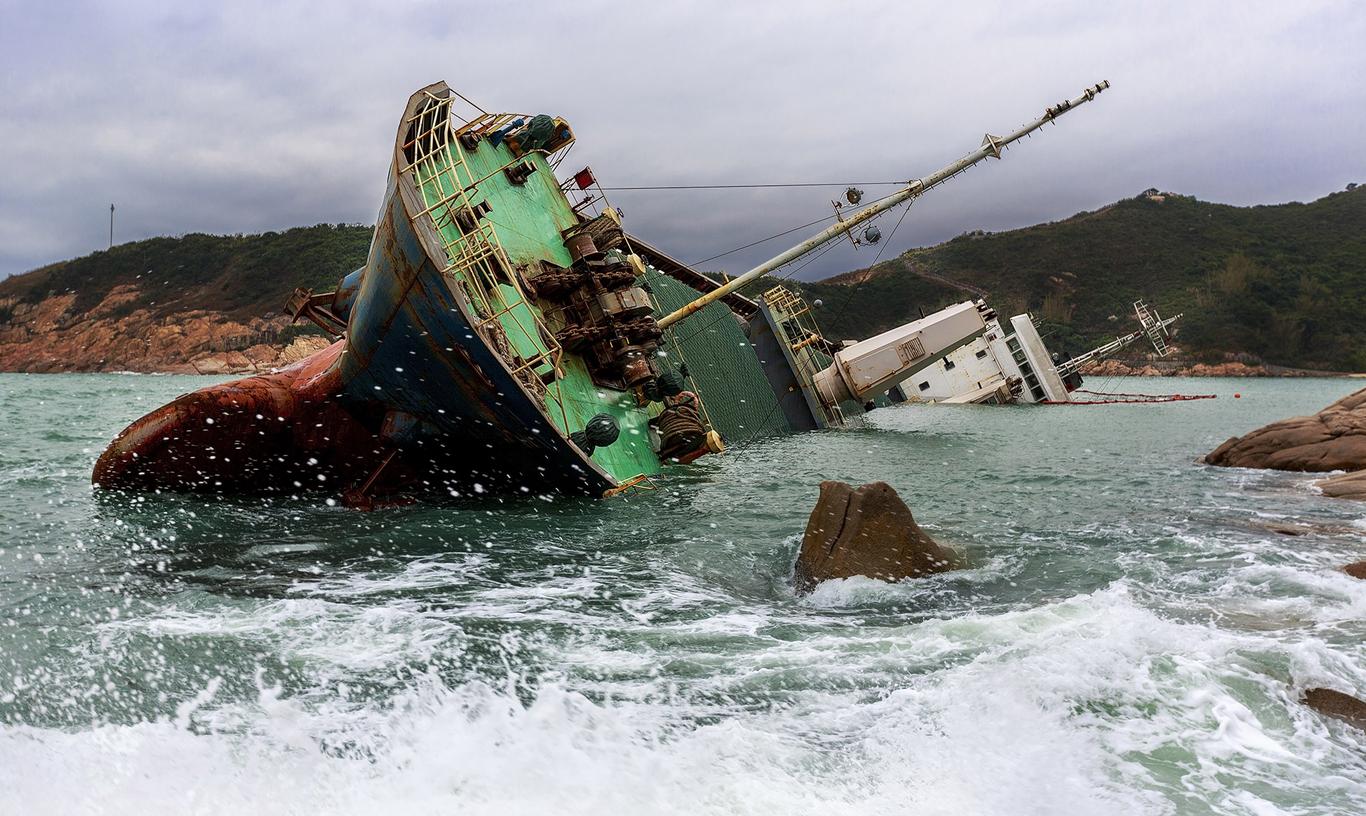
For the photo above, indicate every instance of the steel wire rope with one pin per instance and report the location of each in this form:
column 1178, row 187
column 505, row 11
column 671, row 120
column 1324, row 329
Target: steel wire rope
column 791, row 271
column 753, row 186
column 853, row 288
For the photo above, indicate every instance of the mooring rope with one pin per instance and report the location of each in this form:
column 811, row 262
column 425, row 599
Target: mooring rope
column 1120, row 398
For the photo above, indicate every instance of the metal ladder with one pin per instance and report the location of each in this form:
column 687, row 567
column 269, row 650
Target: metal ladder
column 1153, row 327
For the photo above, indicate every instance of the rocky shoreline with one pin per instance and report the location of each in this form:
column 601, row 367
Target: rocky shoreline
column 1334, row 439
column 1178, row 368
column 52, row 336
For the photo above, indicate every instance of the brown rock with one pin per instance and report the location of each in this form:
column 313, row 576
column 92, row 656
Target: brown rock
column 1108, row 368
column 261, row 354
column 1230, row 369
column 302, row 347
column 116, row 335
column 211, row 364
column 1345, row 707
column 1332, row 439
column 1356, row 569
column 1346, row 486
column 869, row 531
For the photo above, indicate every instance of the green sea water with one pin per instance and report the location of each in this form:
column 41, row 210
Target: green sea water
column 1131, row 635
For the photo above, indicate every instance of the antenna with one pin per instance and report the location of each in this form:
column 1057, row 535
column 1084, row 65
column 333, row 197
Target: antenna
column 111, row 226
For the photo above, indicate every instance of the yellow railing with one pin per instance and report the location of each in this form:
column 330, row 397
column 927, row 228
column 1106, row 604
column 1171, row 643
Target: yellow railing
column 807, row 348
column 475, row 258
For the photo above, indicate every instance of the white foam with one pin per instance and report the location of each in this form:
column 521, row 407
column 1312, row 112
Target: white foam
column 1095, row 705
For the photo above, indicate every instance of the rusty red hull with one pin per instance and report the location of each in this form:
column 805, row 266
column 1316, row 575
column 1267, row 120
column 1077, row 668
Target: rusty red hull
column 266, row 433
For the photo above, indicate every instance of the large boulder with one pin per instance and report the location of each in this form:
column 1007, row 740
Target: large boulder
column 867, row 531
column 1332, row 439
column 1345, row 707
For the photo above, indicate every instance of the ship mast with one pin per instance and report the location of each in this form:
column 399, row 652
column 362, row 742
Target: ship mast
column 1154, row 328
column 991, row 146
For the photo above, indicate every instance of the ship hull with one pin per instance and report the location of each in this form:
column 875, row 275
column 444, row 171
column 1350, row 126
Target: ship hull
column 450, row 377
column 413, row 399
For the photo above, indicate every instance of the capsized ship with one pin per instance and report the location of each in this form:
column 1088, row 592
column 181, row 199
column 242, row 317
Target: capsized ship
column 1015, row 366
column 502, row 337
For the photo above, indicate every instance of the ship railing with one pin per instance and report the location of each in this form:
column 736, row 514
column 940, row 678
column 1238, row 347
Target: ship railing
column 475, row 258
column 795, row 325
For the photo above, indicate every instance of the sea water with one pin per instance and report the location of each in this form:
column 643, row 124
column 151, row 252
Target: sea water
column 1132, row 634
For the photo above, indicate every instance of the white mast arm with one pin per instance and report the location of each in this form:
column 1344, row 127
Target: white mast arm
column 991, row 146
column 1101, row 352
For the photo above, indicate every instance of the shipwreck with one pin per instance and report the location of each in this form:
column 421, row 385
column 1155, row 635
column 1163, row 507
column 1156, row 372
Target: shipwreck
column 507, row 335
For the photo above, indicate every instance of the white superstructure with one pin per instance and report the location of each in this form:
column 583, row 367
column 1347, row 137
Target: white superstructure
column 866, row 369
column 1018, row 367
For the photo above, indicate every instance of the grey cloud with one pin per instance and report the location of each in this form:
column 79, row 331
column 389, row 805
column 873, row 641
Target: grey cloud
column 249, row 116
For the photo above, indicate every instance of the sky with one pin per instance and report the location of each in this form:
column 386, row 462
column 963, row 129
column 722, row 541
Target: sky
column 241, row 117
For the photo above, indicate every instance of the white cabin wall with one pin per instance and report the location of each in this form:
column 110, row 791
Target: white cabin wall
column 969, row 372
column 1039, row 358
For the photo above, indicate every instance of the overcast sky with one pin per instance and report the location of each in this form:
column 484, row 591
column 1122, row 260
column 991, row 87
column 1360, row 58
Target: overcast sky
column 239, row 116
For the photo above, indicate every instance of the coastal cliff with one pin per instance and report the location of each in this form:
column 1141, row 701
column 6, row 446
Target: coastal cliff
column 197, row 304
column 51, row 336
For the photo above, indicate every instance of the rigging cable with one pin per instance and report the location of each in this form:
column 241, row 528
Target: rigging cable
column 791, row 270
column 754, row 186
column 762, row 240
column 853, row 288
column 781, row 234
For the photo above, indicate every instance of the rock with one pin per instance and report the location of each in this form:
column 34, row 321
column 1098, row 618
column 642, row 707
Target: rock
column 1170, row 368
column 210, row 364
column 1230, row 369
column 1332, row 439
column 1346, row 486
column 1286, row 529
column 261, row 355
column 116, row 334
column 1356, row 569
column 1107, row 368
column 1344, row 707
column 869, row 531
column 302, row 347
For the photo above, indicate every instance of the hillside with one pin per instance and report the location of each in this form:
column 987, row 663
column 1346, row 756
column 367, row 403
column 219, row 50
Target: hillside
column 242, row 276
column 1285, row 284
column 197, row 303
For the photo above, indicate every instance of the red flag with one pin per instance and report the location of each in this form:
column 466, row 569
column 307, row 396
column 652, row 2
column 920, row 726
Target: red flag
column 584, row 178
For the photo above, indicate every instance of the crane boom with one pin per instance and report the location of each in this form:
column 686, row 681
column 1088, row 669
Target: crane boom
column 991, row 147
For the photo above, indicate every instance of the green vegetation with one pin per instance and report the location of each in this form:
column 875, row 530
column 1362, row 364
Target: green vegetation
column 244, row 276
column 1284, row 283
